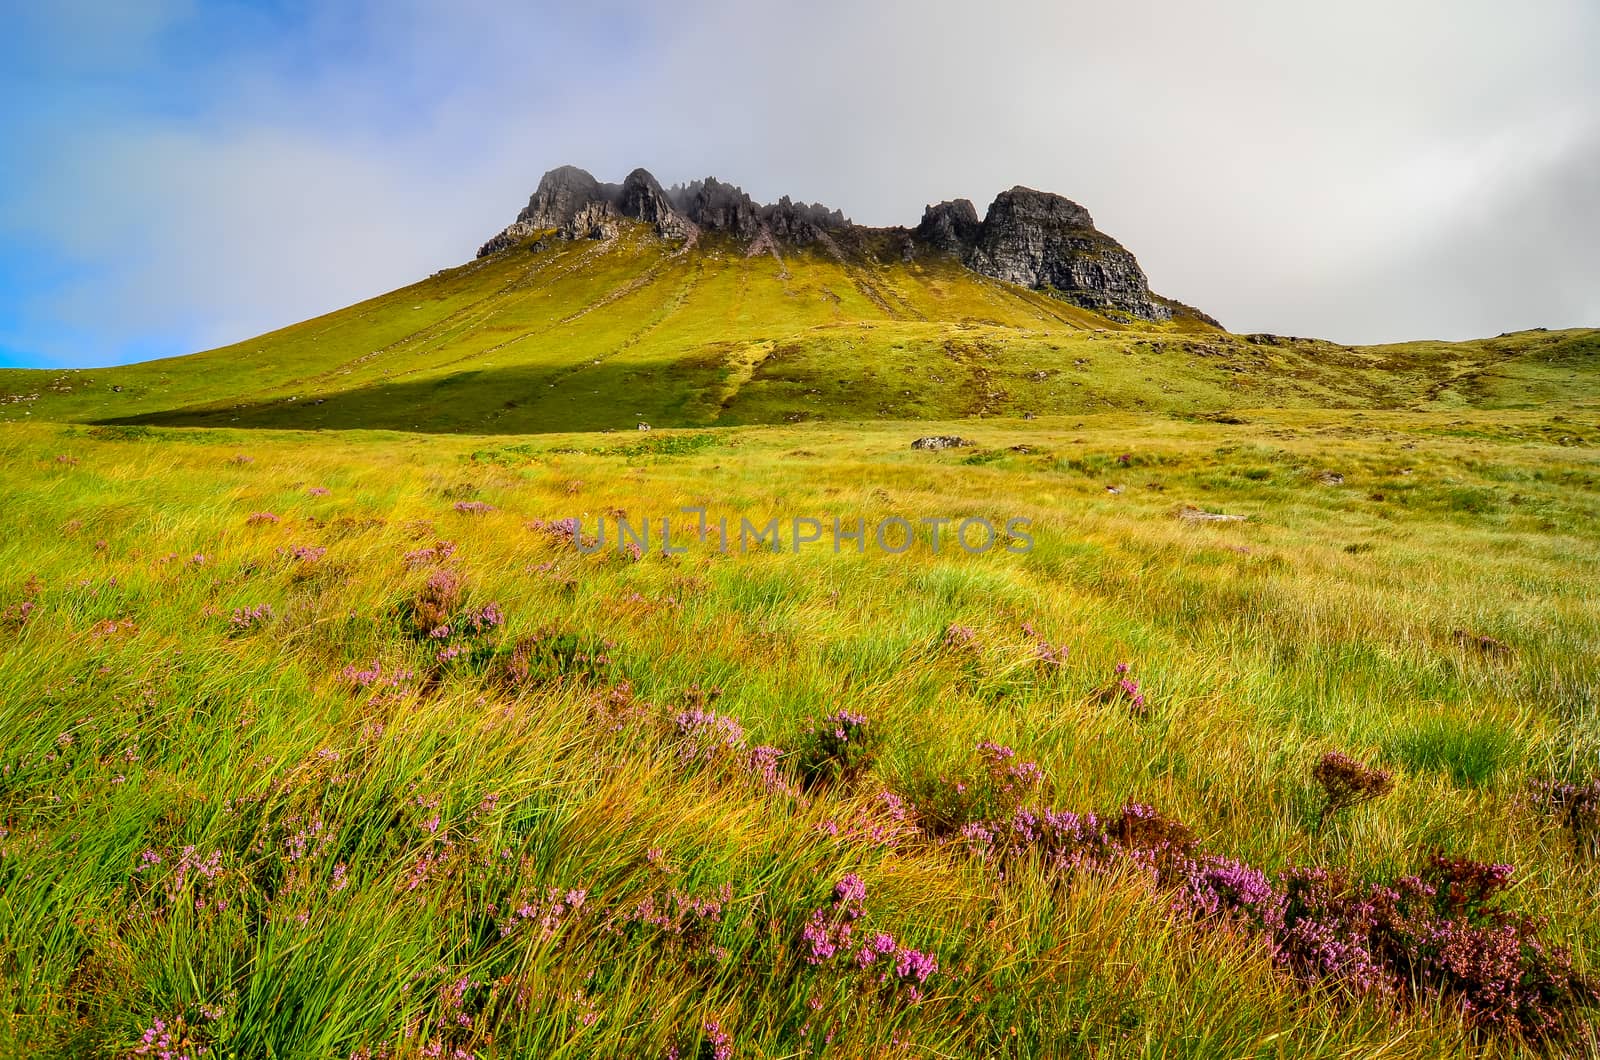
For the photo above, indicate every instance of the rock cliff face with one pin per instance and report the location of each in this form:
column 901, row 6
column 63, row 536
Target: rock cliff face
column 951, row 227
column 1035, row 239
column 1030, row 238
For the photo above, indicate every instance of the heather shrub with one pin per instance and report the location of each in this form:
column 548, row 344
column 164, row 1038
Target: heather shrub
column 835, row 938
column 15, row 615
column 429, row 612
column 1125, row 689
column 993, row 792
column 249, row 619
column 547, row 657
column 439, row 611
column 1346, row 783
column 836, row 749
column 1577, row 808
column 705, row 738
column 1439, row 933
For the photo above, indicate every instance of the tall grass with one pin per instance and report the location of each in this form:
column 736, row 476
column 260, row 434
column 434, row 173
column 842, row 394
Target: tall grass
column 304, row 834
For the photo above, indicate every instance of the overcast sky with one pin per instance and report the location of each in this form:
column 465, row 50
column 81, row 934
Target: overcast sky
column 178, row 174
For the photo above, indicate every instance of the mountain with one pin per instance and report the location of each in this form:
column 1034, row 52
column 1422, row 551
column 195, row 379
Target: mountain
column 605, row 305
column 1029, row 238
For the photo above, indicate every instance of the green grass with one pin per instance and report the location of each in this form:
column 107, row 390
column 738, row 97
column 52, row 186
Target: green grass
column 136, row 719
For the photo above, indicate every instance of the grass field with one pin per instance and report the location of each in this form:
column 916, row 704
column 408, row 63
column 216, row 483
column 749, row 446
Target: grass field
column 254, row 803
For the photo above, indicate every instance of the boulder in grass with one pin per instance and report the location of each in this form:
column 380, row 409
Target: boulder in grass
column 1190, row 514
column 941, row 441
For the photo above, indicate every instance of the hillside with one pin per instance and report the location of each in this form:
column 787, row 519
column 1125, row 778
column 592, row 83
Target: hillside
column 725, row 323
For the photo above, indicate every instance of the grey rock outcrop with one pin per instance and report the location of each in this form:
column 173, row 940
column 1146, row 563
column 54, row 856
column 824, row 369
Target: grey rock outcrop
column 562, row 194
column 718, row 207
column 512, row 235
column 577, row 206
column 1049, row 243
column 642, row 199
column 1031, row 238
column 951, row 227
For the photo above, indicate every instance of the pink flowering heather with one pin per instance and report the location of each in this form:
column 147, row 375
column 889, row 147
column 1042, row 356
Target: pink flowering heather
column 429, row 613
column 681, row 919
column 1126, row 689
column 720, row 1041
column 1013, row 778
column 885, row 821
column 706, row 736
column 1437, row 935
column 564, row 531
column 174, row 1041
column 762, row 763
column 14, row 616
column 960, row 637
column 438, row 552
column 829, row 935
column 318, row 491
column 375, row 676
column 1046, row 655
column 473, row 507
column 303, row 553
column 485, row 618
column 837, row 748
column 262, row 519
column 245, row 619
column 1220, row 889
column 712, row 1043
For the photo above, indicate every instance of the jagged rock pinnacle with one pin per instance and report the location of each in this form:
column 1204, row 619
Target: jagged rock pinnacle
column 1031, row 238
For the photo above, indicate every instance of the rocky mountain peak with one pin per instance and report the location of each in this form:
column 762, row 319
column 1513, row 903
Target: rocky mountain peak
column 561, row 194
column 1032, row 238
column 1025, row 206
column 951, row 226
column 1048, row 242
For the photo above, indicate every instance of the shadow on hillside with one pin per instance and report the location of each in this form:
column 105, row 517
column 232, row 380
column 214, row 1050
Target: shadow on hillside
column 500, row 401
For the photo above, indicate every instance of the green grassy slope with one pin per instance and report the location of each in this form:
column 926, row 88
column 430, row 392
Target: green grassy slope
column 598, row 335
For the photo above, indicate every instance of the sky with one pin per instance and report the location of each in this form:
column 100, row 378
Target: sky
column 177, row 175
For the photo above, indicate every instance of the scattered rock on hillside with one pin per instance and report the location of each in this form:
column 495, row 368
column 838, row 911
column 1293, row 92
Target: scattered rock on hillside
column 941, row 441
column 1190, row 514
column 1331, row 478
